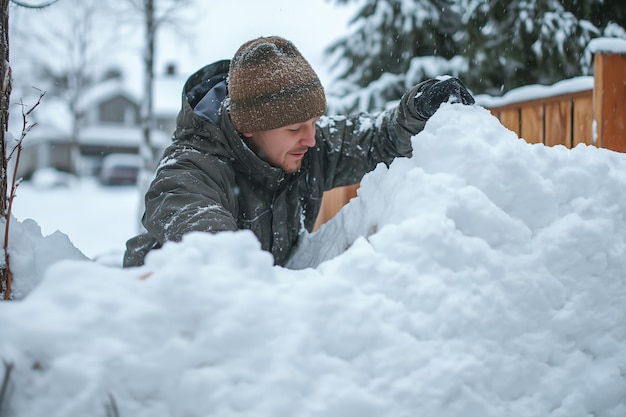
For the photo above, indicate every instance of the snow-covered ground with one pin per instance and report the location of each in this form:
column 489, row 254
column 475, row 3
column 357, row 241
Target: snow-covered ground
column 98, row 219
column 482, row 277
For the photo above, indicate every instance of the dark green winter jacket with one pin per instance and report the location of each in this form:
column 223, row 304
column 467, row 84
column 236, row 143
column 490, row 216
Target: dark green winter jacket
column 209, row 180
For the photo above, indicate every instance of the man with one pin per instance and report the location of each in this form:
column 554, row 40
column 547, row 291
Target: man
column 252, row 149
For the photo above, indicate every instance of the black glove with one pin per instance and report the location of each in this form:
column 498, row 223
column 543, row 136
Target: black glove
column 434, row 92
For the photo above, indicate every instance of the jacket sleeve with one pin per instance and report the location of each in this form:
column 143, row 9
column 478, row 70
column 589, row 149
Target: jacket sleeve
column 184, row 192
column 352, row 146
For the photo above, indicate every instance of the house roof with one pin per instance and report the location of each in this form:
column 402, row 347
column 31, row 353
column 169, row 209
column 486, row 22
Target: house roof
column 49, row 120
column 120, row 136
column 53, row 117
column 166, row 100
column 106, row 90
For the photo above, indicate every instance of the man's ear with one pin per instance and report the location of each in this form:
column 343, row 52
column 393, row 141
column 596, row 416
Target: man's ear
column 248, row 135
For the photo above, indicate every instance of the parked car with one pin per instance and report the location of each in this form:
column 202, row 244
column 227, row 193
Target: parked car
column 120, row 169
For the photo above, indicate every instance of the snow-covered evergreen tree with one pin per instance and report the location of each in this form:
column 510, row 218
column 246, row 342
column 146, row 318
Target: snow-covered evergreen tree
column 493, row 45
column 386, row 37
column 603, row 14
column 521, row 42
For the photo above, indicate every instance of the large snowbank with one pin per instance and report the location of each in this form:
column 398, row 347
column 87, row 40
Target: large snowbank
column 482, row 277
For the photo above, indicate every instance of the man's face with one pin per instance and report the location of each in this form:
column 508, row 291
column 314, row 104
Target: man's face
column 285, row 146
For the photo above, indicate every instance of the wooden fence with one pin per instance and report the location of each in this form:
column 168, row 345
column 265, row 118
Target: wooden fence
column 594, row 116
column 564, row 119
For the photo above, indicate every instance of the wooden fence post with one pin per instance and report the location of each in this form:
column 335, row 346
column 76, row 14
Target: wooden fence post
column 609, row 96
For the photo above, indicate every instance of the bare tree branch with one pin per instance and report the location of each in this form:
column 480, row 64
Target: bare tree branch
column 111, row 406
column 7, row 277
column 8, row 367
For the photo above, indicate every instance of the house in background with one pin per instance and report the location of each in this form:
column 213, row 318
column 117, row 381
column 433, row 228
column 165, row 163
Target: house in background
column 47, row 143
column 167, row 98
column 111, row 125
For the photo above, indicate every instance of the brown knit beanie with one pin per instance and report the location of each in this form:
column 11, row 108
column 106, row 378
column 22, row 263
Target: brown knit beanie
column 271, row 85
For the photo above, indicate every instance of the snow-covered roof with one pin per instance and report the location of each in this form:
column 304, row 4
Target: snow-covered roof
column 51, row 116
column 119, row 135
column 106, row 90
column 167, row 92
column 42, row 133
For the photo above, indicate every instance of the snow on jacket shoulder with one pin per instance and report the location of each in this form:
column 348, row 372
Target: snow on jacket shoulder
column 210, row 180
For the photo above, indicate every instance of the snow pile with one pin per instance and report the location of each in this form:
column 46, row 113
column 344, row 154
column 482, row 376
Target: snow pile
column 482, row 277
column 30, row 255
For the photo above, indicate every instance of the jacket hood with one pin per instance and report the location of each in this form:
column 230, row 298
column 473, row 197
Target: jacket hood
column 204, row 116
column 206, row 89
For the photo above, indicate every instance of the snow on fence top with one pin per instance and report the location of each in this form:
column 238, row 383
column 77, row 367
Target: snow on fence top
column 607, row 45
column 534, row 92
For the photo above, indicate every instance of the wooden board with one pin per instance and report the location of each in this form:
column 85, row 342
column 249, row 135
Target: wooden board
column 583, row 121
column 558, row 123
column 532, row 124
column 610, row 100
column 510, row 119
column 333, row 201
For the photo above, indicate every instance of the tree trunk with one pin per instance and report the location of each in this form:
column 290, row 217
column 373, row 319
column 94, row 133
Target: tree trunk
column 148, row 96
column 5, row 82
column 146, row 149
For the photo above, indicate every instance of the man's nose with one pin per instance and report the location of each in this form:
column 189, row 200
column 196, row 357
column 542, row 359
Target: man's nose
column 308, row 136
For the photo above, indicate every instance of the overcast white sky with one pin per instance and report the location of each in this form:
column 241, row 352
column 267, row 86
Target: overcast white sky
column 211, row 31
column 221, row 27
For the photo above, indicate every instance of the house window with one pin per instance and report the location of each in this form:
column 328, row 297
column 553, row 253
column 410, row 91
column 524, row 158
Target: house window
column 119, row 110
column 130, row 116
